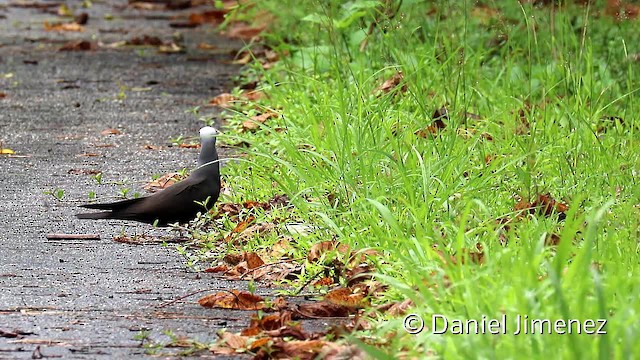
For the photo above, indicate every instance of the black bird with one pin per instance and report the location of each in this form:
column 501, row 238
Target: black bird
column 178, row 202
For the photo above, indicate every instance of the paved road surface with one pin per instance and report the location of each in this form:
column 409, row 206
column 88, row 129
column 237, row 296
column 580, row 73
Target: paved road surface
column 90, row 298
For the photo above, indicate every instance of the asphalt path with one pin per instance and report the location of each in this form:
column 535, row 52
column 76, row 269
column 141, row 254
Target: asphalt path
column 92, row 298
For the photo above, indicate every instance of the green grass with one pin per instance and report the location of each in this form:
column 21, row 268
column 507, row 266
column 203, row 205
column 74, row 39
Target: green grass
column 351, row 163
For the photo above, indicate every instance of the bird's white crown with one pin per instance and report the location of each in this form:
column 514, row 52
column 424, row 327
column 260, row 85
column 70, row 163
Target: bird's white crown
column 208, row 131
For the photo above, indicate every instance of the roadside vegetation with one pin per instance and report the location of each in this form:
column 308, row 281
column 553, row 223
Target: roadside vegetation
column 457, row 158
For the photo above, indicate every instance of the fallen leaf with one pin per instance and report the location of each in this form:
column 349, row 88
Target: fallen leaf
column 4, row 151
column 522, row 123
column 151, row 147
column 78, row 45
column 322, row 309
column 205, row 46
column 621, row 10
column 106, row 132
column 253, row 260
column 145, row 40
column 170, row 48
column 289, row 331
column 318, row 249
column 3, row 95
column 253, row 231
column 552, row 240
column 234, row 299
column 243, row 31
column 397, row 308
column 71, row 27
column 163, row 182
column 232, row 210
column 233, row 258
column 208, row 17
column 439, row 116
column 345, row 297
column 254, row 95
column 270, row 322
column 189, row 146
column 240, row 227
column 256, row 205
column 325, row 281
column 544, row 205
column 255, row 121
column 82, row 18
column 142, row 5
column 217, row 269
column 392, row 83
column 229, row 344
column 295, row 349
column 223, row 100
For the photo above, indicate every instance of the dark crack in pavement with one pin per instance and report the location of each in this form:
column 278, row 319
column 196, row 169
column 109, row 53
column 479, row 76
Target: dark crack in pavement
column 90, row 298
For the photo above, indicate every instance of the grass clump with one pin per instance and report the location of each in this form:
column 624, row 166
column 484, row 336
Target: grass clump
column 494, row 172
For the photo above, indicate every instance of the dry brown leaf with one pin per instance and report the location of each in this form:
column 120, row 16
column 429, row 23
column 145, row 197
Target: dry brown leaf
column 345, row 297
column 233, row 258
column 71, row 27
column 170, row 48
column 392, row 83
column 217, row 269
column 244, row 59
column 142, row 5
column 234, row 299
column 82, row 18
column 145, row 40
column 325, row 281
column 151, row 147
column 163, row 182
column 234, row 341
column 621, row 10
column 322, row 309
column 243, row 31
column 240, row 227
column 223, row 100
column 254, row 95
column 335, row 351
column 205, row 46
column 208, row 17
column 400, row 308
column 189, row 146
column 229, row 344
column 255, row 121
column 318, row 249
column 522, row 123
column 253, row 260
column 259, row 343
column 544, row 205
column 110, row 132
column 289, row 331
column 295, row 349
column 552, row 240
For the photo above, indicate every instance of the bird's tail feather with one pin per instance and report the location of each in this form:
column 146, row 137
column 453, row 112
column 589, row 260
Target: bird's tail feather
column 98, row 215
column 111, row 206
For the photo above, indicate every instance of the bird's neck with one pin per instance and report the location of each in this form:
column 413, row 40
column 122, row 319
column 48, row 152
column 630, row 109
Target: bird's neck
column 208, row 159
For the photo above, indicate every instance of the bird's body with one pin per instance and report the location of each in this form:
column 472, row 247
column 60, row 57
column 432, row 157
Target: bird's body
column 178, row 203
